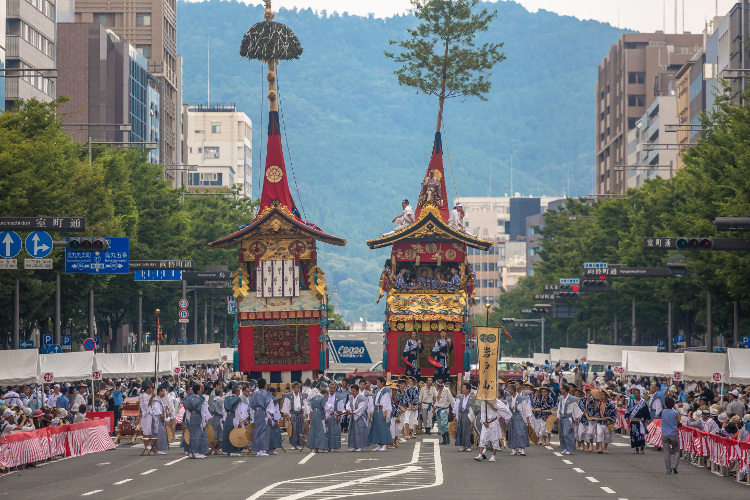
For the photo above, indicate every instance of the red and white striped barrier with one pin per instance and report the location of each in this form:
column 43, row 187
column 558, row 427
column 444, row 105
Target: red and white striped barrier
column 620, row 422
column 74, row 440
column 653, row 435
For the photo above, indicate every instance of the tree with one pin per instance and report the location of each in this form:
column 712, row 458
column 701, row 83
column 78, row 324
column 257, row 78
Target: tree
column 441, row 57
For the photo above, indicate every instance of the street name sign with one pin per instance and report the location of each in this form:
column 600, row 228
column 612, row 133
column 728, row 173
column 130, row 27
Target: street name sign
column 206, row 275
column 631, row 272
column 165, row 275
column 63, row 224
column 544, row 296
column 594, row 265
column 116, row 260
column 149, row 265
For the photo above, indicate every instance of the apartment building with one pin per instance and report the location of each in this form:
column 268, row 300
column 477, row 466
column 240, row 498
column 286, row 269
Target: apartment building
column 646, row 159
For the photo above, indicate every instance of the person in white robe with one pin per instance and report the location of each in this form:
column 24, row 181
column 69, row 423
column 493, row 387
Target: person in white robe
column 358, row 407
column 296, row 409
column 145, row 405
column 490, row 414
column 157, row 414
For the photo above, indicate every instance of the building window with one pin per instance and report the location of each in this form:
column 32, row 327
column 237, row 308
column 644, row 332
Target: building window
column 200, row 131
column 216, row 127
column 636, row 100
column 105, row 19
column 144, row 50
column 143, row 19
column 636, row 77
column 631, row 123
column 211, row 152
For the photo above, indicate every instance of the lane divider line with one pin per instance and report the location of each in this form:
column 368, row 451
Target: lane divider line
column 580, row 471
column 175, row 461
column 567, row 462
column 592, row 479
column 148, row 472
column 121, row 482
column 607, row 490
column 308, row 457
column 91, row 493
column 558, row 454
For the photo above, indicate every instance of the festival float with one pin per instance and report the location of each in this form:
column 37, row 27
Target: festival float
column 281, row 319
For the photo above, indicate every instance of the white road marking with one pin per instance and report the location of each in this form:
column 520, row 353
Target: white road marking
column 549, row 448
column 558, row 454
column 308, row 457
column 121, row 482
column 175, row 461
column 364, row 460
column 239, row 461
column 580, row 471
column 567, row 462
column 607, row 490
column 620, row 444
column 592, row 479
column 303, row 494
column 103, row 463
column 91, row 493
column 148, row 472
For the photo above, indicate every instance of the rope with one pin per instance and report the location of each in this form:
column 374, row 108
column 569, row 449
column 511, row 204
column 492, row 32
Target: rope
column 286, row 139
column 260, row 145
column 447, row 151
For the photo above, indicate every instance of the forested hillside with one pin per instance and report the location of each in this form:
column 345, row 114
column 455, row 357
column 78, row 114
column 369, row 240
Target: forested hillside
column 359, row 143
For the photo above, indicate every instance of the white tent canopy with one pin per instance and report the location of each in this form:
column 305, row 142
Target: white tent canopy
column 702, row 365
column 228, row 352
column 67, row 367
column 602, row 354
column 660, row 364
column 19, row 366
column 570, row 354
column 540, row 358
column 140, row 364
column 554, row 355
column 739, row 366
column 194, row 353
column 521, row 361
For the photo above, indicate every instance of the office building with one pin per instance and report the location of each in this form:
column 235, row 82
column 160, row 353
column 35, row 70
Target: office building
column 29, row 44
column 219, row 145
column 534, row 223
column 3, row 10
column 108, row 83
column 646, row 159
column 637, row 69
column 151, row 26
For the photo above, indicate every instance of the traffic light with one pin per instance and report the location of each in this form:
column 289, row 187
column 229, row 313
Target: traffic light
column 87, row 245
column 690, row 243
column 568, row 292
column 508, row 320
column 596, row 284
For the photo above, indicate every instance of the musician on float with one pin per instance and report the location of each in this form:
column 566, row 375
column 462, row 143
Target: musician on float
column 411, row 355
column 441, row 352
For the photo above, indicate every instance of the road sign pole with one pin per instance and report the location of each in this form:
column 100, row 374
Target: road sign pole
column 736, row 326
column 183, row 326
column 709, row 325
column 542, row 333
column 195, row 316
column 16, row 314
column 139, row 328
column 91, row 314
column 633, row 331
column 669, row 327
column 58, row 339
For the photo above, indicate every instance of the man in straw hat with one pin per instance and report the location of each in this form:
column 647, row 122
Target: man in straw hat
column 358, row 410
column 443, row 402
column 568, row 414
column 520, row 409
column 297, row 411
column 547, row 406
column 604, row 415
column 490, row 414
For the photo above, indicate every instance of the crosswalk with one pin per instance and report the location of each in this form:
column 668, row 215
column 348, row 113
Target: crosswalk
column 425, row 470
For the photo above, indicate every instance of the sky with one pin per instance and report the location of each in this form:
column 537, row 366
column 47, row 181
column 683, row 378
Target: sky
column 637, row 15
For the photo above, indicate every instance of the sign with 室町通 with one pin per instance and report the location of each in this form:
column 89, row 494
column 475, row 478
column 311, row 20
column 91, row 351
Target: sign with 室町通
column 488, row 343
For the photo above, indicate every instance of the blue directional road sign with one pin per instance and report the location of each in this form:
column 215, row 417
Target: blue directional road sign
column 661, row 343
column 66, row 340
column 745, row 341
column 10, row 244
column 51, row 349
column 96, row 339
column 26, row 344
column 116, row 260
column 165, row 275
column 47, row 339
column 39, row 244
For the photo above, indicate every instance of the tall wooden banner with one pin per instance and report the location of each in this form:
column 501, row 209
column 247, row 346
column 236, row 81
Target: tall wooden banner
column 488, row 343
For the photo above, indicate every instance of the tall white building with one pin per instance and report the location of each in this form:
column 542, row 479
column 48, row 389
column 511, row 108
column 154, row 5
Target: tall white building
column 645, row 159
column 218, row 149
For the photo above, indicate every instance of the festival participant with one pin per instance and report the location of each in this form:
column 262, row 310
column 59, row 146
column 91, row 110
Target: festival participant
column 144, row 400
column 400, row 401
column 158, row 421
column 520, row 409
column 216, row 408
column 443, row 402
column 456, row 218
column 261, row 407
column 547, row 407
column 670, row 440
column 464, row 416
column 568, row 414
column 236, row 411
column 296, row 410
column 316, row 438
column 275, row 439
column 454, row 283
column 604, row 416
column 52, row 398
column 441, row 352
column 424, row 281
column 411, row 415
column 490, row 414
column 427, row 395
column 586, row 426
column 357, row 408
column 343, row 394
column 380, row 429
column 196, row 423
column 333, row 408
column 411, row 352
column 638, row 413
column 400, row 281
column 405, row 218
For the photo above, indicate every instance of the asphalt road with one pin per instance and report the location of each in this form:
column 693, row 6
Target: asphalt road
column 419, row 469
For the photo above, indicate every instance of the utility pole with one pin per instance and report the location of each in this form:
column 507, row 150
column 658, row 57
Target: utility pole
column 211, row 329
column 139, row 328
column 91, row 314
column 195, row 315
column 633, row 332
column 56, row 328
column 16, row 314
column 183, row 326
column 709, row 324
column 736, row 325
column 669, row 327
column 542, row 334
column 614, row 331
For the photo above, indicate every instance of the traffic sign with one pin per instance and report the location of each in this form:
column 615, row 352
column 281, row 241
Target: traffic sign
column 38, row 244
column 67, row 340
column 231, row 304
column 661, row 343
column 745, row 341
column 96, row 339
column 551, row 288
column 8, row 263
column 96, row 375
column 679, row 339
column 183, row 320
column 176, row 370
column 51, row 349
column 183, row 304
column 89, row 344
column 631, row 272
column 160, row 265
column 583, row 359
column 26, row 344
column 46, row 339
column 677, row 376
column 48, row 377
column 206, row 275
column 717, row 377
column 594, row 265
column 115, row 260
column 37, row 263
column 224, row 358
column 544, row 296
column 10, row 244
column 569, row 281
column 157, row 275
column 62, row 224
column 66, row 348
column 182, row 369
column 183, row 314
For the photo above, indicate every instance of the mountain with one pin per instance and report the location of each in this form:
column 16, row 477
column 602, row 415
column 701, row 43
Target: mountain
column 357, row 143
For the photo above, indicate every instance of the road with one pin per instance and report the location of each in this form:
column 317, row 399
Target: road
column 419, row 469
